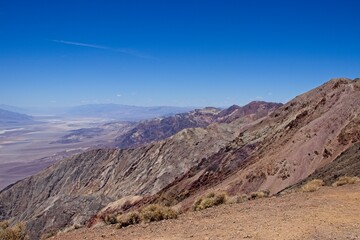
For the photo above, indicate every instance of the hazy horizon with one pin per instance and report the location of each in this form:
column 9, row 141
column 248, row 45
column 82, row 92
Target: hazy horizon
column 159, row 53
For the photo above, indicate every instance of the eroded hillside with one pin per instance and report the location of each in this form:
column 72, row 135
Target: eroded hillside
column 244, row 150
column 70, row 192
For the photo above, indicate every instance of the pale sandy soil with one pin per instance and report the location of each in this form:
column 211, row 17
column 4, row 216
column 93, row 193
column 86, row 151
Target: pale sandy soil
column 330, row 213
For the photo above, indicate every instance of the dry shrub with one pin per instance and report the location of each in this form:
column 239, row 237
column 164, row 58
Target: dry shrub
column 237, row 199
column 345, row 180
column 313, row 185
column 258, row 195
column 128, row 219
column 4, row 225
column 150, row 213
column 110, row 219
column 155, row 212
column 210, row 200
column 16, row 232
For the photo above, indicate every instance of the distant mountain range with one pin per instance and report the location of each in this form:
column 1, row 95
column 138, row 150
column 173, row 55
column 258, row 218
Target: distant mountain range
column 9, row 117
column 123, row 112
column 105, row 111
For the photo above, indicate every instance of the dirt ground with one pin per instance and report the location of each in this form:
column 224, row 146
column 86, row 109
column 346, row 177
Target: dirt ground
column 330, row 213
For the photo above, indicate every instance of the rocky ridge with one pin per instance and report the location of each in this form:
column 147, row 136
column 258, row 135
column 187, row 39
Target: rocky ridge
column 59, row 196
column 298, row 138
column 253, row 152
column 160, row 128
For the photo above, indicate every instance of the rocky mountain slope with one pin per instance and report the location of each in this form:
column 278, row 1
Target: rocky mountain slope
column 347, row 164
column 60, row 196
column 240, row 152
column 298, row 138
column 161, row 128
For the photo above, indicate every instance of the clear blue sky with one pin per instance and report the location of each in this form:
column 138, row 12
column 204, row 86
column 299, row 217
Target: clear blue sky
column 180, row 53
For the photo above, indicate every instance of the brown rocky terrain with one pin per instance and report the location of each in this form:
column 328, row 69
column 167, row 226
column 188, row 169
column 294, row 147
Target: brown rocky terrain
column 255, row 151
column 161, row 128
column 330, row 213
column 59, row 196
column 347, row 164
column 298, row 138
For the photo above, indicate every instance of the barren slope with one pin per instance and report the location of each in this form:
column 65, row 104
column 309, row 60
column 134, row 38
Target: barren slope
column 347, row 164
column 305, row 134
column 72, row 191
column 161, row 128
column 330, row 213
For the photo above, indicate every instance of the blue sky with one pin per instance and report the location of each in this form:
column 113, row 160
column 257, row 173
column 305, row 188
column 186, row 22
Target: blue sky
column 180, row 53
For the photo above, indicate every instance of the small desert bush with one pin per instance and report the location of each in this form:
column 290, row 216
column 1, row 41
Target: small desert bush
column 155, row 212
column 313, row 185
column 110, row 219
column 237, row 199
column 4, row 225
column 12, row 233
column 258, row 195
column 128, row 219
column 151, row 213
column 345, row 180
column 210, row 200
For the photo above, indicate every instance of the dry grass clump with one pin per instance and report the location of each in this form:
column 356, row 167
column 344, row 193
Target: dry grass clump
column 4, row 225
column 110, row 218
column 16, row 232
column 155, row 212
column 313, row 185
column 210, row 200
column 150, row 213
column 252, row 196
column 258, row 195
column 237, row 199
column 345, row 180
column 128, row 219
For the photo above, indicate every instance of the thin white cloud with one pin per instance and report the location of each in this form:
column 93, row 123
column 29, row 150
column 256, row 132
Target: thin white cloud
column 121, row 50
column 81, row 44
column 119, row 95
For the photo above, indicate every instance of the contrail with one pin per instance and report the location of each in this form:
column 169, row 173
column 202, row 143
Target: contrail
column 121, row 50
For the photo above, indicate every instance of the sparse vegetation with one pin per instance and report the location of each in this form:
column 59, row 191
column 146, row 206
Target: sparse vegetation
column 252, row 196
column 313, row 185
column 210, row 200
column 259, row 194
column 155, row 212
column 237, row 199
column 4, row 225
column 150, row 213
column 128, row 219
column 110, row 219
column 16, row 232
column 345, row 180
